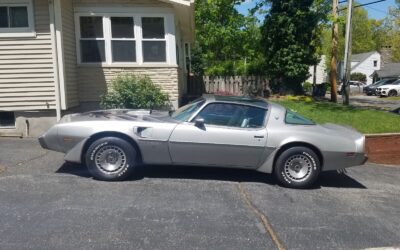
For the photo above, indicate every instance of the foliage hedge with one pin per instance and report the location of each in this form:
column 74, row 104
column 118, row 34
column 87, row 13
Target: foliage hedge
column 128, row 91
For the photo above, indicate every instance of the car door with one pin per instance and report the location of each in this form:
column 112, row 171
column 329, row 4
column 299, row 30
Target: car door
column 232, row 135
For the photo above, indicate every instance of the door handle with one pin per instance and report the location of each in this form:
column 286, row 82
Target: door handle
column 258, row 136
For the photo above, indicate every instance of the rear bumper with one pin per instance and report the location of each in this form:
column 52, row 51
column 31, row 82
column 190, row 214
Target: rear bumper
column 335, row 161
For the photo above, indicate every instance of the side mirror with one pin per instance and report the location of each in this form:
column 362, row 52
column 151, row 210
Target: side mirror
column 199, row 122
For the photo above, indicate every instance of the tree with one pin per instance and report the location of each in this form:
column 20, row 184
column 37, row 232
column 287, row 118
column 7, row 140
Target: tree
column 227, row 42
column 362, row 32
column 366, row 34
column 290, row 38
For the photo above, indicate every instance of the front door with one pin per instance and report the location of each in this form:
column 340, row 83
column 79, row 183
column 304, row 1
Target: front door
column 233, row 136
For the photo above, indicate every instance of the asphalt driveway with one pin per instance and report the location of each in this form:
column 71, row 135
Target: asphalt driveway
column 46, row 204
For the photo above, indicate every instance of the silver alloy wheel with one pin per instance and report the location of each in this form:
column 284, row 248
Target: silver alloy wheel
column 110, row 158
column 298, row 168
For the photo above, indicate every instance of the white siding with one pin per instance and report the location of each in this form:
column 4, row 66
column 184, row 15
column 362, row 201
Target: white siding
column 69, row 51
column 322, row 74
column 367, row 66
column 26, row 67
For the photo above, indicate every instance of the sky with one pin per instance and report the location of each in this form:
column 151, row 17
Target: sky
column 376, row 11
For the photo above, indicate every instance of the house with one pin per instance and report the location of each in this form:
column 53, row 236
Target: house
column 320, row 70
column 390, row 70
column 57, row 56
column 366, row 63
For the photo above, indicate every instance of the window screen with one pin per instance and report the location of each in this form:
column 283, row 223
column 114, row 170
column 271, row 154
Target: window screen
column 154, row 43
column 7, row 119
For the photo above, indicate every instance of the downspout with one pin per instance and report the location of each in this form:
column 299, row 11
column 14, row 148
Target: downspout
column 55, row 59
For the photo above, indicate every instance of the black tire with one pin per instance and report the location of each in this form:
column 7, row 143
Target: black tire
column 295, row 162
column 111, row 159
column 392, row 93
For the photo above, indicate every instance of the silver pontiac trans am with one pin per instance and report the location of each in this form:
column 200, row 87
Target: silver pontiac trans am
column 217, row 131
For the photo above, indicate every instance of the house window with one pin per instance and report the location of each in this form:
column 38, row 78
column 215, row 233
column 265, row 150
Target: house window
column 124, row 38
column 92, row 39
column 16, row 18
column 375, row 63
column 7, row 120
column 154, row 43
column 123, row 44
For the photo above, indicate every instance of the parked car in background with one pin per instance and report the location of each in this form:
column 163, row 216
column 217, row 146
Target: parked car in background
column 355, row 88
column 371, row 89
column 389, row 90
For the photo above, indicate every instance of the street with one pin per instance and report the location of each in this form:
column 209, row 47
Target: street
column 47, row 204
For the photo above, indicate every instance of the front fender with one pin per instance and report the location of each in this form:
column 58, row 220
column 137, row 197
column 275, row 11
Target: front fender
column 75, row 154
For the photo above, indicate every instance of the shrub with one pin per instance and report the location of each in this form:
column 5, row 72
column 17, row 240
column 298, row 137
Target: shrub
column 307, row 87
column 357, row 76
column 134, row 92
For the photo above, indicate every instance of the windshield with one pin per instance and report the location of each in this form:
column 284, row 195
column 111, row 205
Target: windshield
column 184, row 113
column 384, row 82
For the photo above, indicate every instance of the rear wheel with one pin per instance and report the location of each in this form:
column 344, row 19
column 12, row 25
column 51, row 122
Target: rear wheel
column 392, row 93
column 297, row 167
column 111, row 159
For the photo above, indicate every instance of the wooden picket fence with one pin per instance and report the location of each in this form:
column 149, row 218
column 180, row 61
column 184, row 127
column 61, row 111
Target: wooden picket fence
column 228, row 85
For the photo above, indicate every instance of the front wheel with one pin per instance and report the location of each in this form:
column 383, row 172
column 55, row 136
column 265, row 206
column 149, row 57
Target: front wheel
column 111, row 159
column 297, row 167
column 392, row 93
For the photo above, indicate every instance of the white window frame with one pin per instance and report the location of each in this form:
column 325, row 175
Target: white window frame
column 134, row 39
column 137, row 14
column 19, row 32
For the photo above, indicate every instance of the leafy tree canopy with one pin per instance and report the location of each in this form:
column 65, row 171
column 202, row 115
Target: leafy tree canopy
column 227, row 42
column 290, row 40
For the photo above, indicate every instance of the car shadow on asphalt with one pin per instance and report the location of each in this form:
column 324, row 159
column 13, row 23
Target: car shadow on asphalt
column 327, row 179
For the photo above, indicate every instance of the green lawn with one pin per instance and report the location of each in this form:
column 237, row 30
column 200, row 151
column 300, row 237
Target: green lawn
column 364, row 120
column 393, row 98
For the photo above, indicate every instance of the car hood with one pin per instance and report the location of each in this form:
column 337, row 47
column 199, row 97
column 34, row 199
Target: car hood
column 389, row 86
column 119, row 115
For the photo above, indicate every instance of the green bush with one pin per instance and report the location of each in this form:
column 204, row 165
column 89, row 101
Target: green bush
column 357, row 76
column 134, row 92
column 307, row 87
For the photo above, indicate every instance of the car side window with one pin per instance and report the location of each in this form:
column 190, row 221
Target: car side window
column 233, row 115
column 296, row 119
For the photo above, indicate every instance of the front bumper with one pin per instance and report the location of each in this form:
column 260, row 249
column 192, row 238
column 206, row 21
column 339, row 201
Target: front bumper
column 43, row 142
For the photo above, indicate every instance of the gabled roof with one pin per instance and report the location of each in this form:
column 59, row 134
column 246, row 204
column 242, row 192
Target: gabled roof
column 359, row 58
column 362, row 56
column 389, row 70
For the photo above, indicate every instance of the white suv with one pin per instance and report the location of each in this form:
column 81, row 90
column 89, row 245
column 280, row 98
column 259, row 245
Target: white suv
column 389, row 90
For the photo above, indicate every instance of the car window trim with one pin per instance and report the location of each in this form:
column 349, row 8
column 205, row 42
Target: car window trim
column 264, row 125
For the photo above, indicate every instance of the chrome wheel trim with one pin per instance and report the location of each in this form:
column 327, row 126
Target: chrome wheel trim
column 110, row 159
column 298, row 167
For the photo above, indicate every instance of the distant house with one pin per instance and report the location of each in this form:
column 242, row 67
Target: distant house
column 390, row 70
column 321, row 75
column 58, row 55
column 366, row 63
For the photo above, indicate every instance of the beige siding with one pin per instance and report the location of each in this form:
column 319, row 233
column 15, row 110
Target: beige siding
column 111, row 2
column 93, row 80
column 26, row 67
column 69, row 52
